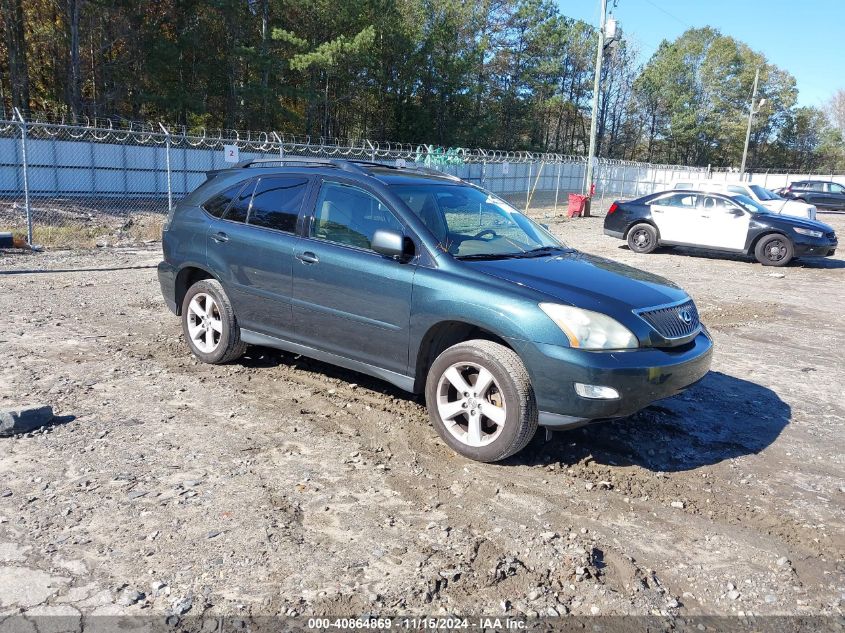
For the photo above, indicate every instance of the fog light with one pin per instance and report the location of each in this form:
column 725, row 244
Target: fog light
column 596, row 392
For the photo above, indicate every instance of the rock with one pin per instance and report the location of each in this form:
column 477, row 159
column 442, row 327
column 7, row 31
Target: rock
column 181, row 606
column 677, row 504
column 783, row 560
column 673, row 603
column 734, row 594
column 589, row 485
column 213, row 534
column 770, row 598
column 533, row 594
column 595, row 610
column 128, row 597
column 548, row 536
column 6, row 493
column 24, row 419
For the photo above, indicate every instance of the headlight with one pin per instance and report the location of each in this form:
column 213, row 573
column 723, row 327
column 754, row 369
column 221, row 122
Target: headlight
column 809, row 232
column 590, row 330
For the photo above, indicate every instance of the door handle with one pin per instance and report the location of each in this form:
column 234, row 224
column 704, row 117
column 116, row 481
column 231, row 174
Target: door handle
column 220, row 237
column 307, row 257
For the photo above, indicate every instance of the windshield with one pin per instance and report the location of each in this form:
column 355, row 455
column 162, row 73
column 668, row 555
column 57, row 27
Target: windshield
column 749, row 204
column 763, row 194
column 471, row 223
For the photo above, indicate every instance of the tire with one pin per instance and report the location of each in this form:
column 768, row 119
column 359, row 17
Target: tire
column 642, row 238
column 774, row 250
column 223, row 344
column 468, row 430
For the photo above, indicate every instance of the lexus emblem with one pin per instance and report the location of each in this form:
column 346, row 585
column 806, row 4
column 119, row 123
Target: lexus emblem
column 685, row 316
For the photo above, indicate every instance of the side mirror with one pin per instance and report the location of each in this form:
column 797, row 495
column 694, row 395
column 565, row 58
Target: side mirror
column 389, row 243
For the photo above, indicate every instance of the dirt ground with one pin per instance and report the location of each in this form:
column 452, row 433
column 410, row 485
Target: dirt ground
column 281, row 485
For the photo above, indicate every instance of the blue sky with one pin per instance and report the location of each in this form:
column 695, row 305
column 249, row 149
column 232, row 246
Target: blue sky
column 804, row 37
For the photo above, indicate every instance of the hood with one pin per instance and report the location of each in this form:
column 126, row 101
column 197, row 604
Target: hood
column 590, row 282
column 791, row 220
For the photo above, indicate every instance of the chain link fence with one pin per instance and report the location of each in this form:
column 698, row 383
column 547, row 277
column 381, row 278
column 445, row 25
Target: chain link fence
column 102, row 182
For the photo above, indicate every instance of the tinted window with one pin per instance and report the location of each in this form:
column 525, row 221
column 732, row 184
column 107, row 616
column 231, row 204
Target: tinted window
column 348, row 215
column 815, row 186
column 239, row 208
column 836, row 188
column 276, row 203
column 217, row 205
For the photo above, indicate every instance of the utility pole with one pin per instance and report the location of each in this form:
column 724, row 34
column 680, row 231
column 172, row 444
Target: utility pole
column 591, row 156
column 751, row 112
column 605, row 38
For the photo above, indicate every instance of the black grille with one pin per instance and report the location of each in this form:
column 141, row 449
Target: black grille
column 671, row 322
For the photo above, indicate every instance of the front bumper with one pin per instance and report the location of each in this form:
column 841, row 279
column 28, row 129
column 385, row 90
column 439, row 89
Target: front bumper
column 640, row 376
column 167, row 281
column 815, row 247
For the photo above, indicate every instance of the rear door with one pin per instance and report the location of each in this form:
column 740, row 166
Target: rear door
column 723, row 224
column 347, row 299
column 676, row 217
column 251, row 250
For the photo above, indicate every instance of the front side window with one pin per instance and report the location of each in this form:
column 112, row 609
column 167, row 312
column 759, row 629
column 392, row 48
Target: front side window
column 709, row 203
column 239, row 208
column 276, row 202
column 469, row 222
column 350, row 216
column 836, row 188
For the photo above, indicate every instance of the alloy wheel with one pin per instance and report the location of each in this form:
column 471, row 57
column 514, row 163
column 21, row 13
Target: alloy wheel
column 471, row 404
column 205, row 327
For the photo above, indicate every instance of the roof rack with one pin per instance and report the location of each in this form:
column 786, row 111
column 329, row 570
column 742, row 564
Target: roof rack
column 288, row 160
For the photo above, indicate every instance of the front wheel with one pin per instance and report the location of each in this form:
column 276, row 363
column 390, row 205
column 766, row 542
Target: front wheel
column 774, row 250
column 642, row 238
column 481, row 401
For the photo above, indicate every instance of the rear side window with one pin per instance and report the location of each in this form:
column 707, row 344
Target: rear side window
column 735, row 189
column 682, row 200
column 217, row 205
column 277, row 201
column 239, row 208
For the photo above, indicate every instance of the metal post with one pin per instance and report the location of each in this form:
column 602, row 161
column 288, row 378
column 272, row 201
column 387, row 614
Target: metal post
column 483, row 172
column 528, row 187
column 596, row 85
column 557, row 187
column 25, row 177
column 167, row 160
column 750, row 118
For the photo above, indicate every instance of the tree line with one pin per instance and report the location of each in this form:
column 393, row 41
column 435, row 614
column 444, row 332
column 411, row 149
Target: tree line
column 507, row 74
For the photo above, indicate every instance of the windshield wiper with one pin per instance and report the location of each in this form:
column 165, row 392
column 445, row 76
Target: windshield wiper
column 489, row 256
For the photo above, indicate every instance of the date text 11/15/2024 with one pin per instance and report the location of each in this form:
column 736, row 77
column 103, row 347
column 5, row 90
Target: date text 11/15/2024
column 419, row 623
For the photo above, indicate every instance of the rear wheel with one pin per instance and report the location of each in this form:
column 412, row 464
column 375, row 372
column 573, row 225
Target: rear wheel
column 774, row 250
column 209, row 323
column 642, row 238
column 481, row 401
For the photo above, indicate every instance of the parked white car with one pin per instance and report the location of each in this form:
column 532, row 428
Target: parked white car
column 763, row 196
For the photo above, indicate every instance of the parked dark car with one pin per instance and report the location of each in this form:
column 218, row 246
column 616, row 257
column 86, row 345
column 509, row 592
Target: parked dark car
column 717, row 222
column 431, row 284
column 824, row 194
